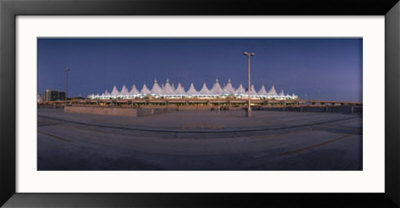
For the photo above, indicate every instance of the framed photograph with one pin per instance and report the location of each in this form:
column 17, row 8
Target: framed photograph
column 130, row 103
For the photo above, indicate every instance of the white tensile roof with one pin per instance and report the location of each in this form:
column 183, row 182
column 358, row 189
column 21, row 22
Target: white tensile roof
column 134, row 91
column 156, row 90
column 115, row 91
column 272, row 91
column 229, row 89
column 124, row 91
column 180, row 90
column 167, row 90
column 216, row 89
column 145, row 90
column 106, row 93
column 240, row 90
column 204, row 90
column 282, row 94
column 262, row 91
column 192, row 91
column 253, row 90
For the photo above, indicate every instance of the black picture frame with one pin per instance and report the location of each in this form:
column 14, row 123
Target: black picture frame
column 10, row 9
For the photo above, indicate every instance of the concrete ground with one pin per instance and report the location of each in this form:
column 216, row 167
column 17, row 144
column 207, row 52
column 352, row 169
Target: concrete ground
column 202, row 140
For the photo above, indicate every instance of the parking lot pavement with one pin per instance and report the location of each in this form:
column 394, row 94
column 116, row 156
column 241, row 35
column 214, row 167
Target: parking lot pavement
column 271, row 140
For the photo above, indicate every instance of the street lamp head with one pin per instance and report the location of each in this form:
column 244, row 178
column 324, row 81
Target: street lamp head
column 246, row 53
column 252, row 54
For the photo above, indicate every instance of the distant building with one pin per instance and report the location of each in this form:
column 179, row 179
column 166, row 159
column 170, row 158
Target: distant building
column 39, row 98
column 53, row 95
column 76, row 98
column 168, row 91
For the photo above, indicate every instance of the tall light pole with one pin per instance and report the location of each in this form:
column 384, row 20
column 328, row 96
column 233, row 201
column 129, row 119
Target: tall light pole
column 248, row 82
column 66, row 82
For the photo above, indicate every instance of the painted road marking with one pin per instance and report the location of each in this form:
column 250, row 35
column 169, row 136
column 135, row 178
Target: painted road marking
column 339, row 127
column 202, row 126
column 315, row 145
column 191, row 131
column 347, row 120
column 262, row 136
column 54, row 136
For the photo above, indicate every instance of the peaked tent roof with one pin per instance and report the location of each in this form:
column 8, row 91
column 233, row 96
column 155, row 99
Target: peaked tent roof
column 216, row 89
column 167, row 90
column 253, row 90
column 106, row 93
column 145, row 90
column 180, row 90
column 204, row 90
column 124, row 90
column 156, row 88
column 282, row 94
column 115, row 91
column 192, row 90
column 240, row 90
column 134, row 91
column 229, row 89
column 272, row 91
column 262, row 91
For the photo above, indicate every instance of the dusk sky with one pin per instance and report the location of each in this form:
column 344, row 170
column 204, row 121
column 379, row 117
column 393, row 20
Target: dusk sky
column 327, row 69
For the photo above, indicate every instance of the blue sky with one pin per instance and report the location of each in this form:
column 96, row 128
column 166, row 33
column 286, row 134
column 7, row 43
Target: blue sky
column 328, row 69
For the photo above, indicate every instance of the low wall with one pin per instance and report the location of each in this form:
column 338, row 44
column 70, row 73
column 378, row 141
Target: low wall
column 208, row 108
column 334, row 109
column 194, row 108
column 118, row 111
column 50, row 106
column 141, row 112
column 152, row 110
column 101, row 110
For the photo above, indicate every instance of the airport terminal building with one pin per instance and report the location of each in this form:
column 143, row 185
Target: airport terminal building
column 169, row 91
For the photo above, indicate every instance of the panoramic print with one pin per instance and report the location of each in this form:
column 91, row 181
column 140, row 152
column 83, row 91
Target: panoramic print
column 199, row 104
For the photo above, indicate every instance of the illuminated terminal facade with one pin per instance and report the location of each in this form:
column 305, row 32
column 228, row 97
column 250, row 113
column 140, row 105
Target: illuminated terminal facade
column 169, row 91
